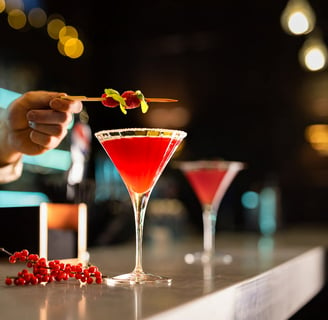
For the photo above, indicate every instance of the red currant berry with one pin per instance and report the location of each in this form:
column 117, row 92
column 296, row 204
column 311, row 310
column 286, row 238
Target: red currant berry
column 78, row 269
column 109, row 102
column 78, row 276
column 24, row 252
column 19, row 281
column 34, row 280
column 17, row 255
column 131, row 99
column 12, row 259
column 92, row 269
column 8, row 281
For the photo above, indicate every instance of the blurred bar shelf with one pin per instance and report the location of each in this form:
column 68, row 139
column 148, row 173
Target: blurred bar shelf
column 269, row 278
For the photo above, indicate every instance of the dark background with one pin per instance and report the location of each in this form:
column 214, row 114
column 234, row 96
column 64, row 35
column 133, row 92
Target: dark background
column 228, row 62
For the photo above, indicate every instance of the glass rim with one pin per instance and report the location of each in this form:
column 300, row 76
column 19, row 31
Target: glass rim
column 127, row 131
column 208, row 164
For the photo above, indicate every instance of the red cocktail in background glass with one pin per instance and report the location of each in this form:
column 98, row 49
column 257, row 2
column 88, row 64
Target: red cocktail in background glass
column 210, row 180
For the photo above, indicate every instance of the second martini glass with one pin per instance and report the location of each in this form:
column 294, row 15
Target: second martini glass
column 210, row 180
column 140, row 156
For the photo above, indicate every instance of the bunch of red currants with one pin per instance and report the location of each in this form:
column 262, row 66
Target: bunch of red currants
column 44, row 271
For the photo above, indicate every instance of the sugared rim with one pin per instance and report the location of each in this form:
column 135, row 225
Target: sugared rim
column 118, row 132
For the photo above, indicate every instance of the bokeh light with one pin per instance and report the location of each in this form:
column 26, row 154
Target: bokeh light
column 66, row 33
column 298, row 18
column 69, row 44
column 250, row 199
column 298, row 23
column 73, row 48
column 317, row 136
column 315, row 59
column 17, row 19
column 2, row 5
column 313, row 54
column 54, row 26
column 37, row 17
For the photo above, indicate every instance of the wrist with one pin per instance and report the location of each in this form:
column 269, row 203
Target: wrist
column 8, row 154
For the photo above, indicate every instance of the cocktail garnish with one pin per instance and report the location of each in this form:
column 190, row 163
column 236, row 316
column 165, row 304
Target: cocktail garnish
column 128, row 100
column 111, row 96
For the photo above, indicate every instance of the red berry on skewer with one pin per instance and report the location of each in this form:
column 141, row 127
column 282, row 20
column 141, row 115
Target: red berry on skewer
column 109, row 101
column 131, row 99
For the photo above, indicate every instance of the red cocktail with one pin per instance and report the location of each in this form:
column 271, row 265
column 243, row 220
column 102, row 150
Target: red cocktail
column 140, row 156
column 205, row 182
column 210, row 181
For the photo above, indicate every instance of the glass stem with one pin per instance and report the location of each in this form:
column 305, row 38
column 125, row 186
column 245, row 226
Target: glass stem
column 139, row 202
column 209, row 223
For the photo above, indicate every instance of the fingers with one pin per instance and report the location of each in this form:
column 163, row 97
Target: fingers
column 47, row 141
column 49, row 127
column 46, row 129
column 49, row 116
column 65, row 105
column 46, row 99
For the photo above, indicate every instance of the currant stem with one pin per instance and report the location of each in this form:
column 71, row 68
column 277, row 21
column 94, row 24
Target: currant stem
column 6, row 251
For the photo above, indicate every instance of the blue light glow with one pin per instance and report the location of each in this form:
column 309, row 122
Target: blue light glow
column 21, row 199
column 7, row 97
column 30, row 4
column 55, row 159
column 268, row 209
column 250, row 200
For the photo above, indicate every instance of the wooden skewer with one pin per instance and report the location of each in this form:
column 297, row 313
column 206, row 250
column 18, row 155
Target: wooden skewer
column 84, row 98
column 81, row 98
column 160, row 100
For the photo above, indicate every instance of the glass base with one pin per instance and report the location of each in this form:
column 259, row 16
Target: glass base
column 138, row 278
column 204, row 257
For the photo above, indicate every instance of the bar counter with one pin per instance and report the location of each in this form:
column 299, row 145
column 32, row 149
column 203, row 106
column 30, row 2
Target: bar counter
column 268, row 278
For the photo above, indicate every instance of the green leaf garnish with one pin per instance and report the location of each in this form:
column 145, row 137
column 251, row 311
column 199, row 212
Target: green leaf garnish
column 143, row 104
column 117, row 97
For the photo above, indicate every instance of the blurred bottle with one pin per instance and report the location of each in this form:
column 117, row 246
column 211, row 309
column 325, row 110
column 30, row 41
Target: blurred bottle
column 78, row 188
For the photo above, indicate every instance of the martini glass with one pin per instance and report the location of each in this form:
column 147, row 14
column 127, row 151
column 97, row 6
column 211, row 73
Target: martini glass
column 210, row 180
column 140, row 156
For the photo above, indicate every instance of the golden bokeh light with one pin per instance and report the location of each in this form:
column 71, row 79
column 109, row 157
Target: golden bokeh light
column 2, row 5
column 54, row 26
column 68, row 45
column 17, row 19
column 73, row 48
column 37, row 17
column 317, row 136
column 66, row 33
column 60, row 48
